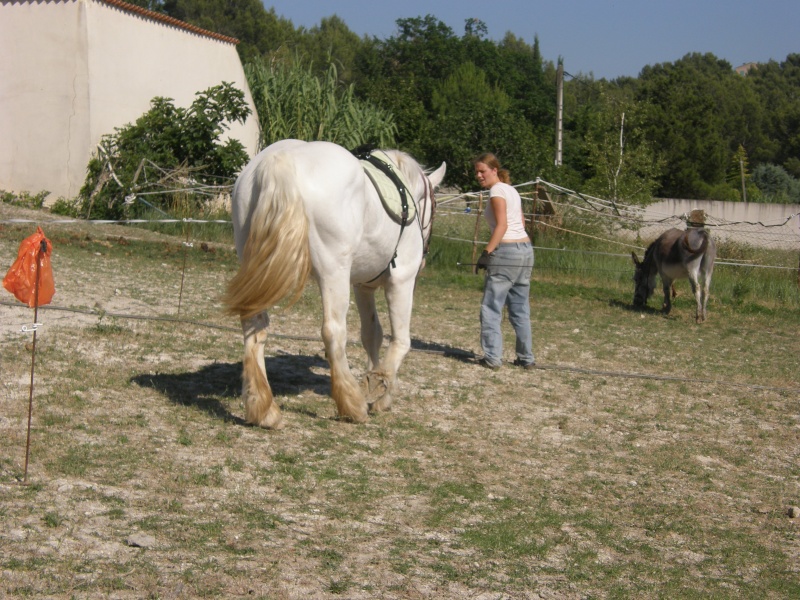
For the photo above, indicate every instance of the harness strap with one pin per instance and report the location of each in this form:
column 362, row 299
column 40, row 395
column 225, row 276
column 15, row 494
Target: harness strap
column 365, row 153
column 388, row 170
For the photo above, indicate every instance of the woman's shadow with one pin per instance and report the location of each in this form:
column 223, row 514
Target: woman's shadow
column 214, row 387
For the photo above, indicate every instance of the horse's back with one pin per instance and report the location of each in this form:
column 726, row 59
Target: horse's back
column 324, row 174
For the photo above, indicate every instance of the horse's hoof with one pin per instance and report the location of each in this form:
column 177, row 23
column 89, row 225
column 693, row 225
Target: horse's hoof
column 358, row 419
column 382, row 404
column 375, row 386
column 272, row 421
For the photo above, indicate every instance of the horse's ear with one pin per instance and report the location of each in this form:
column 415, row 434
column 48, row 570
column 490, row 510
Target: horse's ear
column 437, row 176
column 635, row 259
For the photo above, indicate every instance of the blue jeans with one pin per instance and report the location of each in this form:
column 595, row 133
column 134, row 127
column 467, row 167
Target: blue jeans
column 508, row 283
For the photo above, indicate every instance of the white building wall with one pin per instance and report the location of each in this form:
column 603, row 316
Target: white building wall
column 74, row 70
column 44, row 105
column 753, row 223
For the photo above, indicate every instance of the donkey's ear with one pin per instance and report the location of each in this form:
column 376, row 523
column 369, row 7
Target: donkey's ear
column 635, row 259
column 437, row 176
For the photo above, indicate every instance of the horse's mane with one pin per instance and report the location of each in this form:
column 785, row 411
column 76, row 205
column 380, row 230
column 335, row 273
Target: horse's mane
column 407, row 165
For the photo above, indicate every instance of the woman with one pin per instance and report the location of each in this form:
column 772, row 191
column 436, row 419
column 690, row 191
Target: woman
column 508, row 260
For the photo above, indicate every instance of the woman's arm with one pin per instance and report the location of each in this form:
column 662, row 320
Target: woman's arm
column 501, row 218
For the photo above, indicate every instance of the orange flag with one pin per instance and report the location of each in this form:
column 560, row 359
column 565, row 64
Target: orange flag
column 21, row 279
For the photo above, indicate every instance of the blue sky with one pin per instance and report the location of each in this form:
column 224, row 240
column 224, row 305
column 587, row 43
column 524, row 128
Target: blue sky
column 605, row 37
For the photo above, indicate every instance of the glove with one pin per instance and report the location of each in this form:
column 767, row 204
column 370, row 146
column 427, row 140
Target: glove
column 484, row 259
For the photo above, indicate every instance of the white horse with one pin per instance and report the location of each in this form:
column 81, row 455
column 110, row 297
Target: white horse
column 309, row 207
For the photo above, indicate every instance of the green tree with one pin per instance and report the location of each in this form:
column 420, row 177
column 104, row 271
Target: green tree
column 260, row 32
column 700, row 111
column 400, row 74
column 476, row 28
column 473, row 116
column 171, row 137
column 330, row 42
column 624, row 166
column 778, row 88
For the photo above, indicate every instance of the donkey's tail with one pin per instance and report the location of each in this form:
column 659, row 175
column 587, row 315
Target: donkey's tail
column 276, row 259
column 691, row 238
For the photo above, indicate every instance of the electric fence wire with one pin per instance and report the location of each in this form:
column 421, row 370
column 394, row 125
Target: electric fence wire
column 627, row 214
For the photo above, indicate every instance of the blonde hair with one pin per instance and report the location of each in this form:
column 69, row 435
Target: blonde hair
column 490, row 160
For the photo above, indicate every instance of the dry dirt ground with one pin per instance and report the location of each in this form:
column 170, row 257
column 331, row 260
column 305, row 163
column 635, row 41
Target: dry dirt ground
column 646, row 457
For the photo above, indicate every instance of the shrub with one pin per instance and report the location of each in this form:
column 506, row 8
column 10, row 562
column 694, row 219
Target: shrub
column 171, row 138
column 776, row 184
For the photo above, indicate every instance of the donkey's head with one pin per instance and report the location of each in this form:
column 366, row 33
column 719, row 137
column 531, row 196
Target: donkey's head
column 644, row 282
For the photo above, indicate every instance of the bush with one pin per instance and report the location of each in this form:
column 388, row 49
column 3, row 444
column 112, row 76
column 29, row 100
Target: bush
column 24, row 199
column 171, row 138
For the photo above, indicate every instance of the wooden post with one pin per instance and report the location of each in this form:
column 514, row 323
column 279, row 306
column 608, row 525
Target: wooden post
column 534, row 210
column 744, row 188
column 559, row 110
column 475, row 235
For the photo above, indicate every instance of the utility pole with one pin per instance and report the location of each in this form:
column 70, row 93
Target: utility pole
column 744, row 187
column 559, row 109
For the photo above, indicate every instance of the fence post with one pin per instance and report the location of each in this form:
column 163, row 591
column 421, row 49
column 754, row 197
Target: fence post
column 475, row 234
column 534, row 210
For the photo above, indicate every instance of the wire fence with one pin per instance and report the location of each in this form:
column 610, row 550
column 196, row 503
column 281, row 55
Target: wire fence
column 549, row 209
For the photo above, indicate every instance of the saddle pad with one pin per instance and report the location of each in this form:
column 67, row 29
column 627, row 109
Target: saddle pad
column 387, row 190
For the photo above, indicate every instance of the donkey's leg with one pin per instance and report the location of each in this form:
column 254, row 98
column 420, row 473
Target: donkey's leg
column 371, row 330
column 705, row 272
column 350, row 401
column 399, row 299
column 698, row 300
column 259, row 405
column 667, row 284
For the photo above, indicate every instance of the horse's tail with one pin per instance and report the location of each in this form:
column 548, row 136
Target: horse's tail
column 276, row 258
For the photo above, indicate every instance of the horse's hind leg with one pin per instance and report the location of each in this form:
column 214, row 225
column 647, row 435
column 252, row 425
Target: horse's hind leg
column 350, row 401
column 259, row 405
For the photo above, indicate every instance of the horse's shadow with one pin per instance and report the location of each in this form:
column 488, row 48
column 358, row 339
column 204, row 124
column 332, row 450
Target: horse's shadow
column 212, row 387
column 447, row 351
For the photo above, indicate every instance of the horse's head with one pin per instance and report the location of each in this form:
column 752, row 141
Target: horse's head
column 644, row 283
